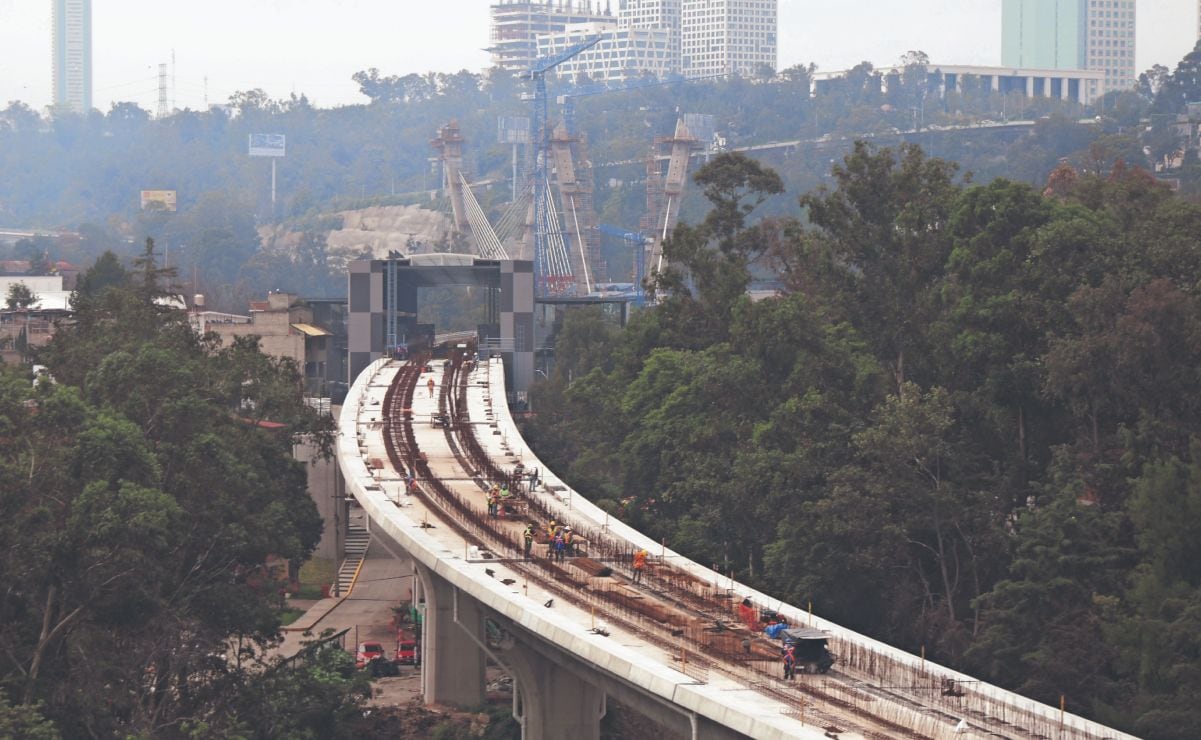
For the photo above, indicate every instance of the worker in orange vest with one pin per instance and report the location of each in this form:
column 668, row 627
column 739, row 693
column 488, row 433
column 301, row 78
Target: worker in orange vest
column 639, row 564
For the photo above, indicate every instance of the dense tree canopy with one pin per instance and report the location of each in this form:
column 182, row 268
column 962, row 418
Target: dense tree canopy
column 140, row 506
column 968, row 422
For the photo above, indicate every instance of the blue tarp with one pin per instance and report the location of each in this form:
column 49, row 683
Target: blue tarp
column 773, row 630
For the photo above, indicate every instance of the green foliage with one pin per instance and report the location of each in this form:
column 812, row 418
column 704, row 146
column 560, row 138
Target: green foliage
column 139, row 504
column 968, row 423
column 19, row 297
column 25, row 722
column 318, row 697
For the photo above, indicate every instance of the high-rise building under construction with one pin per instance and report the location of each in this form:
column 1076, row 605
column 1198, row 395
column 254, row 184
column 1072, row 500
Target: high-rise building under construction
column 516, row 26
column 71, row 68
column 702, row 37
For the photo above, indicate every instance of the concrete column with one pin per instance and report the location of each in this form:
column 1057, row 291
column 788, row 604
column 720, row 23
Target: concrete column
column 1046, row 87
column 1030, row 87
column 452, row 664
column 552, row 702
column 995, row 83
column 1065, row 88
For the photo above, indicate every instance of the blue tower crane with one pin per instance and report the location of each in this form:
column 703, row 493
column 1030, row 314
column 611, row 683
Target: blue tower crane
column 541, row 131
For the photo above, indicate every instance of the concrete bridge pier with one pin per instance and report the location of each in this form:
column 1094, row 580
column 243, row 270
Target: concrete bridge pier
column 452, row 662
column 553, row 702
column 557, row 696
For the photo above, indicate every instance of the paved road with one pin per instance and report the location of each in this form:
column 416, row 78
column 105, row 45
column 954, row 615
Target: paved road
column 384, row 582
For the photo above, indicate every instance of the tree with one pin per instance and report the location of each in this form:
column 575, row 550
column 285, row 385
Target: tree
column 1180, row 87
column 1152, row 81
column 106, row 272
column 146, row 502
column 1156, row 638
column 882, row 237
column 20, row 297
column 993, row 332
column 1044, row 623
column 715, row 256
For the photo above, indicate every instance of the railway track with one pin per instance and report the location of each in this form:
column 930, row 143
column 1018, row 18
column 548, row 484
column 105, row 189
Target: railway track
column 672, row 610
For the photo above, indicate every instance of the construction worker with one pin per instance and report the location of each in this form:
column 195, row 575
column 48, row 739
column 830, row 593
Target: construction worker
column 558, row 546
column 789, row 663
column 528, row 536
column 640, row 564
column 493, row 502
column 430, row 384
column 551, row 529
column 569, row 542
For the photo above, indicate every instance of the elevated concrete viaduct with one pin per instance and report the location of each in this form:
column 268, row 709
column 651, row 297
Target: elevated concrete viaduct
column 483, row 606
column 556, row 693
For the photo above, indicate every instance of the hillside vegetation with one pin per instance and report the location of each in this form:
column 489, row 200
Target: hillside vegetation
column 84, row 173
column 969, row 422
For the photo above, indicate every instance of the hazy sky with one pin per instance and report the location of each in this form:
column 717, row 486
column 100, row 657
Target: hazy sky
column 314, row 46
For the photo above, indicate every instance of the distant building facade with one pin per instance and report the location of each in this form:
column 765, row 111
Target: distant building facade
column 656, row 15
column 1063, row 84
column 71, row 66
column 1094, row 35
column 621, row 54
column 311, row 333
column 516, row 26
column 728, row 36
column 666, row 37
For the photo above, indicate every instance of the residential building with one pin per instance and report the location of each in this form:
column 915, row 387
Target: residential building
column 71, row 30
column 1094, row 35
column 310, row 333
column 621, row 54
column 658, row 15
column 516, row 26
column 22, row 329
column 728, row 37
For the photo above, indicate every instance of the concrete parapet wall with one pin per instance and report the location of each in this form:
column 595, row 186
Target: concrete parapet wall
column 887, row 665
column 597, row 653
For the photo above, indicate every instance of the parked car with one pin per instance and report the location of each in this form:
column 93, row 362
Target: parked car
column 406, row 652
column 367, row 652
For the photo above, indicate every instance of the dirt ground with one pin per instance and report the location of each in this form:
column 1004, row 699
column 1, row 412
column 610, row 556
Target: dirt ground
column 395, row 710
column 397, row 691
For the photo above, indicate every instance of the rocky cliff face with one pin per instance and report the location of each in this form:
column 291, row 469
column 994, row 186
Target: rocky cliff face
column 381, row 229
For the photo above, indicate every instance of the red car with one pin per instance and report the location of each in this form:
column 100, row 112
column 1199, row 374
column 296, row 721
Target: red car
column 406, row 652
column 367, row 652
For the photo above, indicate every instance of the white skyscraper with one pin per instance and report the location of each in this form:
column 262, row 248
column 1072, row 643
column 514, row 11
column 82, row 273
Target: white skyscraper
column 1110, row 47
column 728, row 36
column 657, row 15
column 71, row 68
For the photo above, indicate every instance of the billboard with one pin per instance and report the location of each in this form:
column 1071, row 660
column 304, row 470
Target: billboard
column 512, row 130
column 267, row 145
column 158, row 200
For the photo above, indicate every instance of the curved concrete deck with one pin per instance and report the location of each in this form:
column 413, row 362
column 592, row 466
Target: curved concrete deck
column 640, row 665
